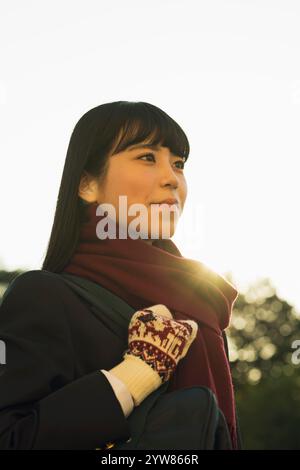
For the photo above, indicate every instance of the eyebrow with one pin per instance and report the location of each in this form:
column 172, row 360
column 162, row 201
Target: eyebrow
column 150, row 146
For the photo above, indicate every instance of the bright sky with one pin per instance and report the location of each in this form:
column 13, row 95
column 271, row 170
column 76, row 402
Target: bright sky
column 227, row 71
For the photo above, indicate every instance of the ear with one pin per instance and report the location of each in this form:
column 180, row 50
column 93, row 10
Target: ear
column 87, row 188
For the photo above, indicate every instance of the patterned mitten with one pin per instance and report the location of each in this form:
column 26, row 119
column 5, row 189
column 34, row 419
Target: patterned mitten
column 156, row 344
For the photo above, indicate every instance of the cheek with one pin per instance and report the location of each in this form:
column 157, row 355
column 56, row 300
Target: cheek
column 183, row 191
column 136, row 186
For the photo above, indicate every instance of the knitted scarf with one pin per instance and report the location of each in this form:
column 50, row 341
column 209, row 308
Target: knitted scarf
column 143, row 275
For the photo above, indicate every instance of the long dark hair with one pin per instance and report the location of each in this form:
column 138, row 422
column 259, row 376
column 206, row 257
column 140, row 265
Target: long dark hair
column 101, row 132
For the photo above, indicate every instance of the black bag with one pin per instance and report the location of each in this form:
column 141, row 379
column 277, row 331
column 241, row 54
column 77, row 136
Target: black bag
column 188, row 418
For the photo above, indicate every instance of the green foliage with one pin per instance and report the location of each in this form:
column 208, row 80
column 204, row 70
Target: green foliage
column 262, row 331
column 270, row 413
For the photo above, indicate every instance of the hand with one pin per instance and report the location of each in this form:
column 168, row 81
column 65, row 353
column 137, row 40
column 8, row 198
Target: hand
column 156, row 343
column 159, row 340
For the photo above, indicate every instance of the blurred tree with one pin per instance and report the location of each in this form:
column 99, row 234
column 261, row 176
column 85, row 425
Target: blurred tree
column 5, row 278
column 267, row 382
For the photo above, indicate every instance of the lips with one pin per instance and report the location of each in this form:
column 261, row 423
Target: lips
column 169, row 201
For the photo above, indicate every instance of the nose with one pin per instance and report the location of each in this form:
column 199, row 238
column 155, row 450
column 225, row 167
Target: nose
column 168, row 176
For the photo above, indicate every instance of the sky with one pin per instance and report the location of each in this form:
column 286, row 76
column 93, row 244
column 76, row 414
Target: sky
column 227, row 71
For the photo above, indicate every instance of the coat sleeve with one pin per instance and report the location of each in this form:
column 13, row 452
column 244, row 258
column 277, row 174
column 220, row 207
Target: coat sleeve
column 121, row 392
column 42, row 405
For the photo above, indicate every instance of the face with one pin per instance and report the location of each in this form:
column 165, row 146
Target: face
column 146, row 176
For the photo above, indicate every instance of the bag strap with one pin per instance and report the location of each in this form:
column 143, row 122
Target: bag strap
column 116, row 314
column 113, row 311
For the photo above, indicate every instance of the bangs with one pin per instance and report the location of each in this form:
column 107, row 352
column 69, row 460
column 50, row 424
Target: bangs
column 143, row 123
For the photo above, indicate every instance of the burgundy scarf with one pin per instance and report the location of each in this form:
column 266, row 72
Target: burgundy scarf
column 143, row 275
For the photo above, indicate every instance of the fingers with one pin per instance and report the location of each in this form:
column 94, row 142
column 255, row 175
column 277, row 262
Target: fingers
column 162, row 310
column 191, row 337
column 194, row 326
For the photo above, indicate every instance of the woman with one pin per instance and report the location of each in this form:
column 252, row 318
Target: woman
column 66, row 383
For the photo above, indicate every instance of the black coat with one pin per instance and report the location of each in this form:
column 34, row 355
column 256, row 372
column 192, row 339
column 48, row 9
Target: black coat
column 52, row 393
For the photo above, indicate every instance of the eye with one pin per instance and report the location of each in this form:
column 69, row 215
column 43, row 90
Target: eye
column 147, row 155
column 153, row 156
column 182, row 163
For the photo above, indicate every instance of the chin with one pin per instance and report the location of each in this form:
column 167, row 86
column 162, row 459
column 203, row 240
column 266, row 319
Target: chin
column 159, row 234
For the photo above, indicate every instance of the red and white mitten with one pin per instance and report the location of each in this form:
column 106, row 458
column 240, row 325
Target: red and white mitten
column 156, row 343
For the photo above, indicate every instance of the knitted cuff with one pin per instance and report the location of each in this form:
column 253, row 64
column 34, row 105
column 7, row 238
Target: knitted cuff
column 138, row 376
